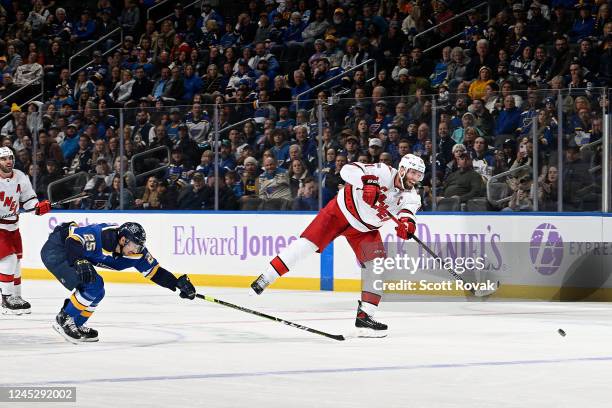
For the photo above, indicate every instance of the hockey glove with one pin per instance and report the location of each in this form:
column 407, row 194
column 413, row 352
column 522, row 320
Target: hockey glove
column 184, row 285
column 406, row 229
column 87, row 273
column 42, row 207
column 371, row 189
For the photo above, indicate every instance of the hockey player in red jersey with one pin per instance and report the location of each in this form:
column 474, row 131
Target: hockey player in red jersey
column 15, row 192
column 357, row 213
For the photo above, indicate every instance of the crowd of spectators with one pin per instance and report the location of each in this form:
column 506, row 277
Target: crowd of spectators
column 477, row 87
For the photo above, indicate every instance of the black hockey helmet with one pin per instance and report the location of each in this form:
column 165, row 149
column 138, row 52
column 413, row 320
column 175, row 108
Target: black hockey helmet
column 133, row 232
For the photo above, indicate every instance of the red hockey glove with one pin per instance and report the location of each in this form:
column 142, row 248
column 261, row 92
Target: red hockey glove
column 406, row 229
column 371, row 189
column 42, row 207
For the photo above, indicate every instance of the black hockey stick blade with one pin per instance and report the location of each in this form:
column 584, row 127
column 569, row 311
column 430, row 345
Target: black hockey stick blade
column 209, row 298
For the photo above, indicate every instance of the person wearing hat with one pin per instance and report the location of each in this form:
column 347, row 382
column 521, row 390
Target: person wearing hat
column 351, row 147
column 478, row 87
column 84, row 29
column 538, row 24
column 332, row 52
column 381, row 119
column 375, row 147
column 341, row 26
column 197, row 195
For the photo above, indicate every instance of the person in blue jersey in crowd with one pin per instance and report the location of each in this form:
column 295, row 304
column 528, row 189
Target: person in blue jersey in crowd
column 70, row 254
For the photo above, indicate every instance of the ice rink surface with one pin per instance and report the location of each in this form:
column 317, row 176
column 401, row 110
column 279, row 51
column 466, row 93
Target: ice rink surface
column 157, row 350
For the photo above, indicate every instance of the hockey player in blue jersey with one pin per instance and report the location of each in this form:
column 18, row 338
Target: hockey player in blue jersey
column 70, row 254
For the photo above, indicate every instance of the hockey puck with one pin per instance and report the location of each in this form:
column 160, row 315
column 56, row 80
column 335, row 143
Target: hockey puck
column 561, row 332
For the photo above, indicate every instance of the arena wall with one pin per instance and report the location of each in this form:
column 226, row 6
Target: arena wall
column 230, row 249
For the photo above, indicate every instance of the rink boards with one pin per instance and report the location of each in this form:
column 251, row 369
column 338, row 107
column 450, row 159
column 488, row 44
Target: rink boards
column 230, row 249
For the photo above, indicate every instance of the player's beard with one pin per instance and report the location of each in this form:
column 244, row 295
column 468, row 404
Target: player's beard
column 6, row 170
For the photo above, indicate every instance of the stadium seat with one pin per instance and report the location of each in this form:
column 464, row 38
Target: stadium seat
column 477, row 205
column 449, row 204
column 250, row 204
column 275, row 204
column 497, row 191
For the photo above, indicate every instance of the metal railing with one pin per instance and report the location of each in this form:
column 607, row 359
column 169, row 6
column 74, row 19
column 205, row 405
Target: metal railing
column 150, row 152
column 74, row 187
column 184, row 8
column 16, row 91
column 95, row 43
column 496, row 177
column 233, row 125
column 450, row 20
column 32, row 99
column 150, row 9
column 296, row 99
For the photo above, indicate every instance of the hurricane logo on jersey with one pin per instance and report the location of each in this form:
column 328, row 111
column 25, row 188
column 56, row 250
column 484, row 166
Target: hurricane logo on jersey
column 546, row 249
column 8, row 202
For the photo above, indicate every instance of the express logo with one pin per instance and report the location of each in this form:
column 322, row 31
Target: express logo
column 546, row 249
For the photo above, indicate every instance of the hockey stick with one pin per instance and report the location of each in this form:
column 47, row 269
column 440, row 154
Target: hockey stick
column 475, row 292
column 209, row 298
column 60, row 202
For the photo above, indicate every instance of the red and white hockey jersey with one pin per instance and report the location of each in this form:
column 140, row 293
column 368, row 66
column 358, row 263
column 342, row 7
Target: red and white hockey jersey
column 362, row 216
column 15, row 192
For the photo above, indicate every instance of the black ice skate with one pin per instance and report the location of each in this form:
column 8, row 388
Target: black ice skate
column 88, row 334
column 66, row 327
column 259, row 284
column 14, row 304
column 367, row 326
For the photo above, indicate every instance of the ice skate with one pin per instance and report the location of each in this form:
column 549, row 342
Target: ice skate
column 13, row 304
column 66, row 327
column 88, row 334
column 367, row 326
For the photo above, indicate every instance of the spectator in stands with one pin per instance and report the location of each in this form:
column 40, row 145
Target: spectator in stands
column 273, row 182
column 463, row 184
column 561, row 58
column 547, row 192
column 478, row 86
column 82, row 161
column 521, row 199
column 29, row 73
column 250, row 178
column 333, row 181
column 306, row 197
column 115, row 198
column 195, row 196
column 130, row 16
column 122, row 92
column 297, row 173
column 508, row 119
column 149, row 199
column 84, row 29
column 576, row 178
column 457, row 68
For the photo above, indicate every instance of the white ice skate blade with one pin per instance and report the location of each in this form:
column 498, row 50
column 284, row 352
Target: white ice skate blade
column 93, row 340
column 59, row 330
column 16, row 312
column 363, row 332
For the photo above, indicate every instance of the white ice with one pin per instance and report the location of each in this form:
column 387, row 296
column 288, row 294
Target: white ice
column 157, row 350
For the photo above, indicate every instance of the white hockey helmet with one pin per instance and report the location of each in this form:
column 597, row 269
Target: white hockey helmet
column 410, row 161
column 6, row 152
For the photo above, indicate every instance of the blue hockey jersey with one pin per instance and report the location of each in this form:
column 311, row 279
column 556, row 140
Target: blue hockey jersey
column 97, row 243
